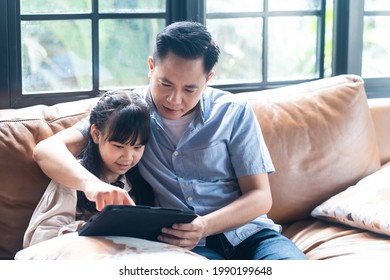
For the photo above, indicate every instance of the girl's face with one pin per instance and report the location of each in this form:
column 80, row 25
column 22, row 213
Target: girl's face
column 117, row 158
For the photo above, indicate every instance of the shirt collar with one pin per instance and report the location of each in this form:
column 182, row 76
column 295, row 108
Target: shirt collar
column 126, row 185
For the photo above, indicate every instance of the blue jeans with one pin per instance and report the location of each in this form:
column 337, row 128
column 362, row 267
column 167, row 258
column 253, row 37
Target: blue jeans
column 267, row 244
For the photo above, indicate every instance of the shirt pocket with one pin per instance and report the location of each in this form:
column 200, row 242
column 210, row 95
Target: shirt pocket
column 213, row 163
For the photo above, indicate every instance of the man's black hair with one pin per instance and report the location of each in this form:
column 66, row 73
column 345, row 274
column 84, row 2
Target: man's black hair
column 189, row 40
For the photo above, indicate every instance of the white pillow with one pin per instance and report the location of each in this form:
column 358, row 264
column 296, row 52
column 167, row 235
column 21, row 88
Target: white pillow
column 365, row 205
column 74, row 247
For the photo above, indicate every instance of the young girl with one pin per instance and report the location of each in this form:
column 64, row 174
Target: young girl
column 119, row 130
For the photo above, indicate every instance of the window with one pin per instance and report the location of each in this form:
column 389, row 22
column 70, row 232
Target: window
column 361, row 43
column 269, row 42
column 56, row 51
column 74, row 48
column 376, row 47
column 375, row 57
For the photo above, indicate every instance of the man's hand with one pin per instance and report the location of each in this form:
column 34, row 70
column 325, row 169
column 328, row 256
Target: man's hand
column 186, row 236
column 106, row 194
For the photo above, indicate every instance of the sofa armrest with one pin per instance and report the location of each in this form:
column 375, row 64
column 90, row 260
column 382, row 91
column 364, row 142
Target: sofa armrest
column 380, row 113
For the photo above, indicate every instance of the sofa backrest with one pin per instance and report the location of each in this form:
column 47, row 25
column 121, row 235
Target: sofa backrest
column 319, row 134
column 22, row 182
column 321, row 139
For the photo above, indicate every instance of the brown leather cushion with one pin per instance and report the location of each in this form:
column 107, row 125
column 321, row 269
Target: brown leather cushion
column 321, row 240
column 21, row 181
column 321, row 139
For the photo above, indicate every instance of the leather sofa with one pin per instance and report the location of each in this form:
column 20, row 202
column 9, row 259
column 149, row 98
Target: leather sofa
column 325, row 139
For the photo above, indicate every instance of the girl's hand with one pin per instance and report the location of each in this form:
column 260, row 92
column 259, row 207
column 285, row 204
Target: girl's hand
column 106, row 194
column 186, row 236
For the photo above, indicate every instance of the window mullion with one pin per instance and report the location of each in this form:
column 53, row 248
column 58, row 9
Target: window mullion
column 355, row 37
column 265, row 43
column 348, row 38
column 4, row 57
column 321, row 40
column 15, row 62
column 193, row 10
column 95, row 46
column 196, row 10
column 340, row 37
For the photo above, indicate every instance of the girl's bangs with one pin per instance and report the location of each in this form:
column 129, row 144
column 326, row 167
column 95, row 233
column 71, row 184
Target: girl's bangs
column 127, row 127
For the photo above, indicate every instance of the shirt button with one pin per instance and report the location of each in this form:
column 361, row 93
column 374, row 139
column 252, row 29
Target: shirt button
column 189, row 199
column 176, row 153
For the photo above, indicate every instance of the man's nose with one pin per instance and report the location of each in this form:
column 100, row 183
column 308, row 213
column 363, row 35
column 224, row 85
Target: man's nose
column 174, row 97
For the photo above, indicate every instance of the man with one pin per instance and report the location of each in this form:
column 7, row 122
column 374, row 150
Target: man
column 206, row 153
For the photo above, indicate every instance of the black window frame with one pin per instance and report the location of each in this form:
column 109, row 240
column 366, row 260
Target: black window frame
column 347, row 49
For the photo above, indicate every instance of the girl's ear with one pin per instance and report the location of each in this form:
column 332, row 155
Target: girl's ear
column 95, row 134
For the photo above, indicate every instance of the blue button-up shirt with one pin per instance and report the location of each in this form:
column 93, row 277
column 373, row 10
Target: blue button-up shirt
column 222, row 143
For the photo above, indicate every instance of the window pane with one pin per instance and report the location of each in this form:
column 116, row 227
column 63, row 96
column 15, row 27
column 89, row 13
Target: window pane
column 124, row 54
column 292, row 48
column 376, row 47
column 241, row 51
column 288, row 5
column 56, row 55
column 377, row 5
column 125, row 6
column 50, row 6
column 225, row 6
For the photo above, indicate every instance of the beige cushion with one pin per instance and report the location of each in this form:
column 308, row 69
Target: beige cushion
column 365, row 205
column 321, row 139
column 73, row 247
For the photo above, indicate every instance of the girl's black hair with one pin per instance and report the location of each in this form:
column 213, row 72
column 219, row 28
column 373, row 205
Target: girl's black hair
column 121, row 116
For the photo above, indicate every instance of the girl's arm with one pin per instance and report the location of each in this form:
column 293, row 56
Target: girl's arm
column 56, row 157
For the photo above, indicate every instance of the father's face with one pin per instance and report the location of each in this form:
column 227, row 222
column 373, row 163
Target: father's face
column 176, row 85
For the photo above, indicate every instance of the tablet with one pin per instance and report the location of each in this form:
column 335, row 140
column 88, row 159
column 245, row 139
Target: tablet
column 134, row 221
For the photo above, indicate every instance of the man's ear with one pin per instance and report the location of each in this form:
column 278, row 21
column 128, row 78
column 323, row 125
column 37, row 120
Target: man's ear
column 95, row 133
column 210, row 76
column 151, row 66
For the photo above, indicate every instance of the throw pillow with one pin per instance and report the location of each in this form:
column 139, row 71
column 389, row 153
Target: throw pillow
column 365, row 205
column 74, row 247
